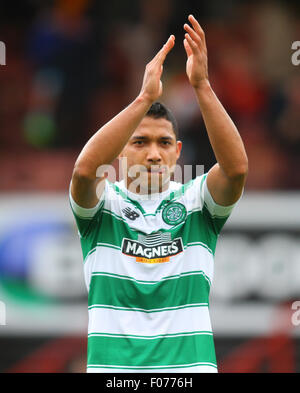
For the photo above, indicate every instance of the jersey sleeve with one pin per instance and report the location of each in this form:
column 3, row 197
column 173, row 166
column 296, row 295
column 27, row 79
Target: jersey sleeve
column 85, row 217
column 216, row 214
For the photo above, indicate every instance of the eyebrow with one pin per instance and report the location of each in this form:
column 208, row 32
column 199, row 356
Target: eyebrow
column 164, row 138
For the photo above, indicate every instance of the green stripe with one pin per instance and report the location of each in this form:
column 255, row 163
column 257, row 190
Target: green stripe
column 114, row 215
column 86, row 225
column 101, row 245
column 109, row 228
column 199, row 227
column 160, row 352
column 113, row 291
column 196, row 209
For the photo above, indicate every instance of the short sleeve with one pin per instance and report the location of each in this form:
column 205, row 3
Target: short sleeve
column 85, row 217
column 217, row 214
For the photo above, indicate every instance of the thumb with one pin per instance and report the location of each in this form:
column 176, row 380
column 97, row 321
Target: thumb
column 166, row 48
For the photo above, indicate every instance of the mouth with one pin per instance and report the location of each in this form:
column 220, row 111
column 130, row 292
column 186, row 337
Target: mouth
column 158, row 170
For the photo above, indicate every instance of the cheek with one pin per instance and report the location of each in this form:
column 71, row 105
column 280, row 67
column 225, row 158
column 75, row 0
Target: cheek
column 128, row 154
column 130, row 159
column 172, row 158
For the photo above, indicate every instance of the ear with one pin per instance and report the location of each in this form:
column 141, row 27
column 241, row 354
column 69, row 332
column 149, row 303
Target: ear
column 178, row 148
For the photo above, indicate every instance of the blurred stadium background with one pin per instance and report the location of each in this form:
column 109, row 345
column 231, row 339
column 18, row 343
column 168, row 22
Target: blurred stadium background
column 71, row 65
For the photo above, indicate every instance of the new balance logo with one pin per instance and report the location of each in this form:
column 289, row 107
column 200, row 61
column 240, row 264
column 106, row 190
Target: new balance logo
column 131, row 214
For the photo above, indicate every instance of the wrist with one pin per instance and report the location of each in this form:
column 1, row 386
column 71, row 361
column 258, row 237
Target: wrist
column 144, row 99
column 203, row 85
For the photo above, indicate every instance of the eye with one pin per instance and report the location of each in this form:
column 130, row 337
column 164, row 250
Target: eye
column 166, row 143
column 138, row 143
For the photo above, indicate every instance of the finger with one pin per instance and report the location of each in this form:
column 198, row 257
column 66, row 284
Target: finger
column 195, row 37
column 196, row 25
column 187, row 48
column 192, row 44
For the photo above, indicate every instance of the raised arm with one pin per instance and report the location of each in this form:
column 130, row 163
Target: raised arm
column 107, row 143
column 226, row 179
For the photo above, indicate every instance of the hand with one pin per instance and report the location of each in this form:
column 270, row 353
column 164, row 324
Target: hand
column 152, row 85
column 195, row 47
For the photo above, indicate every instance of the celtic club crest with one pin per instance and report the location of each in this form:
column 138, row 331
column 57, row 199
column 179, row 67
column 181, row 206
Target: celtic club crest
column 174, row 213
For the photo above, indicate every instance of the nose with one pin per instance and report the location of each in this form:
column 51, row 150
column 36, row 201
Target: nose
column 153, row 154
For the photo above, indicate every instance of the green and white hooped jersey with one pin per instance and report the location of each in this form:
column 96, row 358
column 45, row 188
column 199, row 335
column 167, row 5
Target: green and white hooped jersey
column 148, row 267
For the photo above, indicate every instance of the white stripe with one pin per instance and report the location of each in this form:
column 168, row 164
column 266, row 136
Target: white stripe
column 205, row 368
column 183, row 320
column 108, row 245
column 198, row 244
column 146, row 310
column 152, row 338
column 152, row 283
column 108, row 260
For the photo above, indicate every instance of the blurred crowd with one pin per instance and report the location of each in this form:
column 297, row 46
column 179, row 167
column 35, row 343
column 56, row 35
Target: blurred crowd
column 71, row 65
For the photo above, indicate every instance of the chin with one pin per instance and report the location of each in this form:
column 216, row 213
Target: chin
column 156, row 183
column 149, row 183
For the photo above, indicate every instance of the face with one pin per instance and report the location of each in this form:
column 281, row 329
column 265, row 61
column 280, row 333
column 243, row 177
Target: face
column 150, row 156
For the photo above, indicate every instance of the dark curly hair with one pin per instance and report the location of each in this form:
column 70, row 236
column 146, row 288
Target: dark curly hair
column 160, row 111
